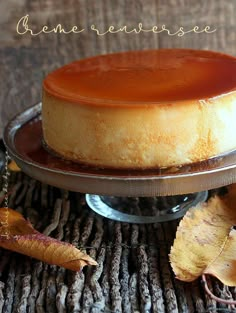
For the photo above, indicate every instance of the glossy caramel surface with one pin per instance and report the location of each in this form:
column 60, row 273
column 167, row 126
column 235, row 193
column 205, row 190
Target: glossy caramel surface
column 144, row 77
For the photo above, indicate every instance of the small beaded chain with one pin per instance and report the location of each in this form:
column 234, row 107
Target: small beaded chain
column 5, row 177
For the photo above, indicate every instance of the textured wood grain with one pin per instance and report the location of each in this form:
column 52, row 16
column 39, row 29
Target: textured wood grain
column 133, row 274
column 26, row 59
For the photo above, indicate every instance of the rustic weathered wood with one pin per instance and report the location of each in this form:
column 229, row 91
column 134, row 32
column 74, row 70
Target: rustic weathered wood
column 26, row 59
column 133, row 272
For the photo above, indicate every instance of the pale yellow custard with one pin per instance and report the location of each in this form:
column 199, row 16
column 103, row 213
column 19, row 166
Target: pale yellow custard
column 142, row 109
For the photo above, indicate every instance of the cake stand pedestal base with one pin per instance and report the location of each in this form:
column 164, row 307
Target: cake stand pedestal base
column 143, row 210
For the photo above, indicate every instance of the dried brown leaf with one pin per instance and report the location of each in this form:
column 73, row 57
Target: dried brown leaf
column 18, row 235
column 206, row 241
column 12, row 166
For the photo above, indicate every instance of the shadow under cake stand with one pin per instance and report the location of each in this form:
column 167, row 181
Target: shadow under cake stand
column 136, row 196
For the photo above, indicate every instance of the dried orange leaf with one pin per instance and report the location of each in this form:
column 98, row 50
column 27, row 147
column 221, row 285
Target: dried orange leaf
column 18, row 235
column 206, row 241
column 12, row 166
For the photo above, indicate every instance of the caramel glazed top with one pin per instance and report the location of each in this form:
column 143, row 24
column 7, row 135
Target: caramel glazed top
column 144, row 77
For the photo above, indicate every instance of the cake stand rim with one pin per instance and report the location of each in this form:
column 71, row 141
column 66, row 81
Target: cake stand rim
column 163, row 180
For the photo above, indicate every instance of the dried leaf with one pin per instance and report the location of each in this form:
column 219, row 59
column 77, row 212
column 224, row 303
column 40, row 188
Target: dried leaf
column 12, row 166
column 18, row 235
column 206, row 241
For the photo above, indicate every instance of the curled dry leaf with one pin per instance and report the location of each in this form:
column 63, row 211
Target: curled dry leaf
column 206, row 241
column 18, row 235
column 12, row 166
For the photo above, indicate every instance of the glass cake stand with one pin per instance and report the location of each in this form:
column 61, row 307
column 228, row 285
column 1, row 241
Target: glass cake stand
column 137, row 196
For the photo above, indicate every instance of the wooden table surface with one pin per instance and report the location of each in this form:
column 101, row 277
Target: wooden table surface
column 26, row 59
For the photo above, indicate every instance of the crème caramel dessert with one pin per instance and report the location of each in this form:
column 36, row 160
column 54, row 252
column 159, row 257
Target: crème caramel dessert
column 142, row 109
